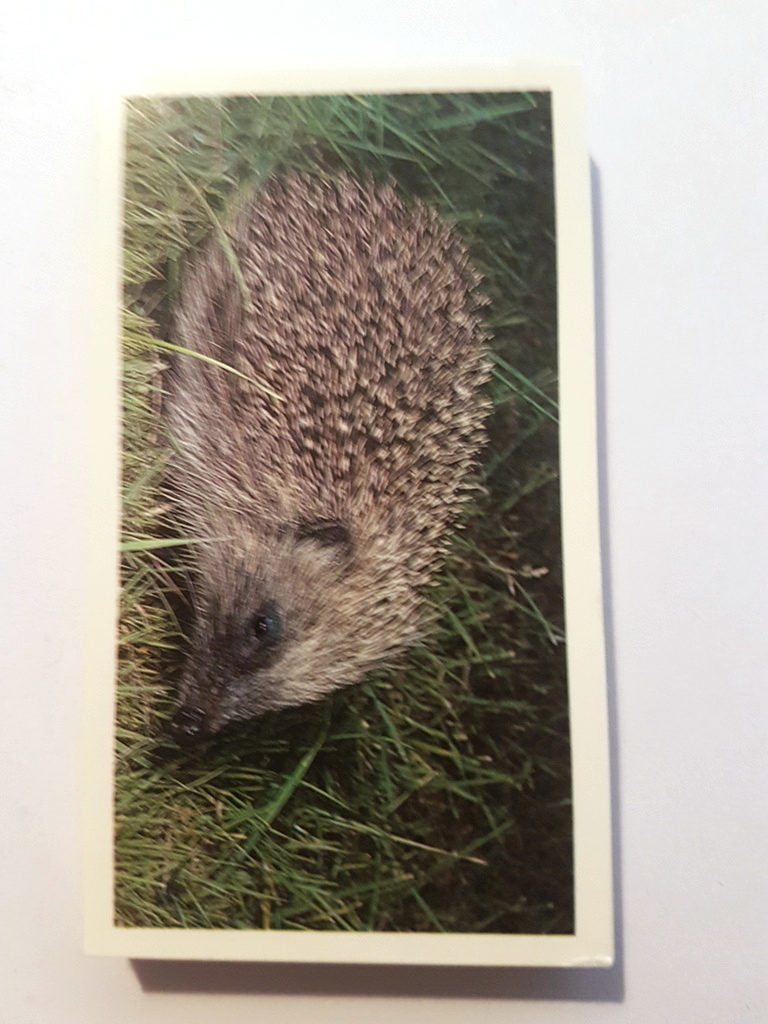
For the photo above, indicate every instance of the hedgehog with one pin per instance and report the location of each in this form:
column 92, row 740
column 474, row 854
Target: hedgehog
column 322, row 443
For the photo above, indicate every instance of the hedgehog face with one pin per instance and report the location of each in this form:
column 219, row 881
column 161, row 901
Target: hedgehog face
column 285, row 634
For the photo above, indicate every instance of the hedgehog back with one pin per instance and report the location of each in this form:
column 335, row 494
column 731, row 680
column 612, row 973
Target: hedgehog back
column 362, row 315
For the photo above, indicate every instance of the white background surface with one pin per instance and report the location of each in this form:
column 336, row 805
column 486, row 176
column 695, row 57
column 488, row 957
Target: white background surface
column 677, row 94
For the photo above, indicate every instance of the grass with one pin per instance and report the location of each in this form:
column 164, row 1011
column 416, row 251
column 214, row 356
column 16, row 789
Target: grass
column 434, row 796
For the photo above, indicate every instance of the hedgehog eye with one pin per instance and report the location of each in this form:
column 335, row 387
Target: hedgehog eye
column 266, row 625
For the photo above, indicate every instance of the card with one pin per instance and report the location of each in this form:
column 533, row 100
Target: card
column 346, row 695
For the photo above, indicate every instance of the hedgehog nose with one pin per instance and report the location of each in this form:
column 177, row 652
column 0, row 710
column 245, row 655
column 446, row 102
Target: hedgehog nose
column 188, row 726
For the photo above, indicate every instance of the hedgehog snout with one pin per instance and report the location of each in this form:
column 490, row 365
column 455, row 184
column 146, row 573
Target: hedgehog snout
column 189, row 725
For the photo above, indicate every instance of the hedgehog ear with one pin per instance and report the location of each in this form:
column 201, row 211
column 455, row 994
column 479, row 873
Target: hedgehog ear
column 328, row 533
